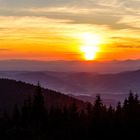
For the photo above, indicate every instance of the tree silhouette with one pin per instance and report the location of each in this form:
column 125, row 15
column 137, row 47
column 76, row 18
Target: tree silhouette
column 97, row 108
column 34, row 121
column 38, row 106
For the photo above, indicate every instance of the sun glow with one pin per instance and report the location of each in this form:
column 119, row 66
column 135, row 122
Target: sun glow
column 90, row 47
column 91, row 39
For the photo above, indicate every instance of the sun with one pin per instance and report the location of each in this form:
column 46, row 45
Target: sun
column 89, row 52
column 90, row 45
column 90, row 56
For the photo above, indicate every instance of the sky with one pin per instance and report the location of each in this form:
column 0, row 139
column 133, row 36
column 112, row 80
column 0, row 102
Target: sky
column 70, row 29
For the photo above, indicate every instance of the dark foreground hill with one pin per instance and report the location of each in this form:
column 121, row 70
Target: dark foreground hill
column 15, row 92
column 34, row 120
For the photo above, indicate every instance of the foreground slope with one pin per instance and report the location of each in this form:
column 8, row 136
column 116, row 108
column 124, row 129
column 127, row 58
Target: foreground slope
column 13, row 92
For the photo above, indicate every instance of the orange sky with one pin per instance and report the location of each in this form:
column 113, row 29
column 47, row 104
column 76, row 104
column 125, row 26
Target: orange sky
column 54, row 30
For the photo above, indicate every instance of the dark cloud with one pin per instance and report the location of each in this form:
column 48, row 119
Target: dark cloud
column 4, row 49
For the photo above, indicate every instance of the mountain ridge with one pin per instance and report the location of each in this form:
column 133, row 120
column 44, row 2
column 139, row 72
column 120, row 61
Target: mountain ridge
column 109, row 86
column 15, row 92
column 112, row 66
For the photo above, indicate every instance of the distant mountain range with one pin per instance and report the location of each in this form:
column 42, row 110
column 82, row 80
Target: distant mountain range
column 83, row 85
column 13, row 92
column 70, row 66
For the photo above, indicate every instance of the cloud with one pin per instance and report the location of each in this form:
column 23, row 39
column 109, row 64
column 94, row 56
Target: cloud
column 4, row 49
column 100, row 12
column 135, row 21
column 72, row 15
column 46, row 22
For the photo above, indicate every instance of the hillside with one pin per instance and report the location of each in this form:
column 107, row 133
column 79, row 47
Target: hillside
column 13, row 92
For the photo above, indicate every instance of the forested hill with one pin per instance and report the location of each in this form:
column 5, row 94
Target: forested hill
column 34, row 121
column 15, row 92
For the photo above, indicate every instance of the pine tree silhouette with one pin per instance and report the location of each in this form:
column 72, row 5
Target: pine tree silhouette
column 38, row 105
column 97, row 108
column 34, row 121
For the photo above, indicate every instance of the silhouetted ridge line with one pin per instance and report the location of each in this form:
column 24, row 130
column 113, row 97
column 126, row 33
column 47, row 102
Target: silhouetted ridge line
column 15, row 92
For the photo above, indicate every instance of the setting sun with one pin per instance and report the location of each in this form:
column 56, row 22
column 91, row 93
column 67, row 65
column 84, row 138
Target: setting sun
column 90, row 48
column 90, row 56
column 89, row 52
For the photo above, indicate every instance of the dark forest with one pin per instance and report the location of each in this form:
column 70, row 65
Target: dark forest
column 34, row 121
